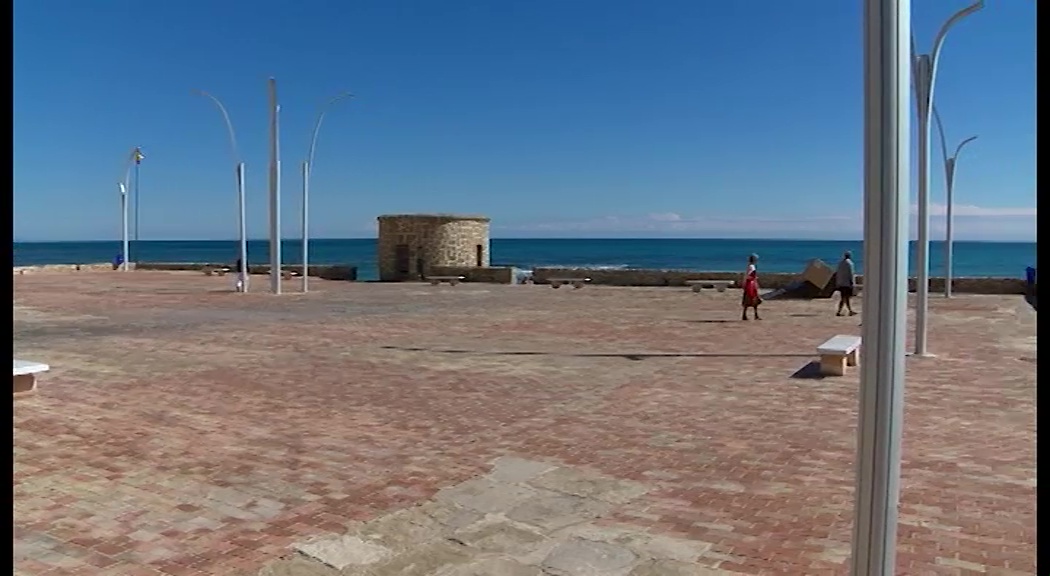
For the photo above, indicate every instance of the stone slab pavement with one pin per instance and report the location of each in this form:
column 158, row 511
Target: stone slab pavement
column 188, row 430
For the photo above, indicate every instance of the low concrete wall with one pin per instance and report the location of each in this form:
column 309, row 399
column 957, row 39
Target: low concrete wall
column 493, row 275
column 768, row 280
column 326, row 272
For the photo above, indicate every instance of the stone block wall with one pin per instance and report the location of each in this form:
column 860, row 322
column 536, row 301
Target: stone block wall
column 415, row 245
column 768, row 280
column 492, row 275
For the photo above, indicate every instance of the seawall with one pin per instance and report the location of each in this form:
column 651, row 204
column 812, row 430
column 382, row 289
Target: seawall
column 326, row 272
column 768, row 280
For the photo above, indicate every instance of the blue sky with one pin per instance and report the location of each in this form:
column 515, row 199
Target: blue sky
column 556, row 118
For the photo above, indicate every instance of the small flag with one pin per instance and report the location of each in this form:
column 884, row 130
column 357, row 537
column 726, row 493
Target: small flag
column 139, row 156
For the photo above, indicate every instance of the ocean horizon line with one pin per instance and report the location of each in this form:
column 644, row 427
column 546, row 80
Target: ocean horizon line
column 529, row 238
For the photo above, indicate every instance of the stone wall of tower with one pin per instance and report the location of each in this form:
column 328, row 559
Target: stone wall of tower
column 410, row 245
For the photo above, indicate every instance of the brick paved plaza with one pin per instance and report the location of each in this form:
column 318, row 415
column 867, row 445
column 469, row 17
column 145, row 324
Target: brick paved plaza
column 188, row 430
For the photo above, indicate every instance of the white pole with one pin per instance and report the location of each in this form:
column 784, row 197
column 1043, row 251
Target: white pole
column 243, row 226
column 923, row 84
column 886, row 155
column 306, row 233
column 307, row 165
column 925, row 70
column 239, row 169
column 124, row 241
column 275, row 193
column 949, row 177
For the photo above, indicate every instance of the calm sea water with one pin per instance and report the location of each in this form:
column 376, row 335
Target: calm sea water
column 999, row 259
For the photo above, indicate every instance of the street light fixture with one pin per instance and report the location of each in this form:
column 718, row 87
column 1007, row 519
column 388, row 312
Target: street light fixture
column 242, row 273
column 949, row 184
column 307, row 165
column 924, row 70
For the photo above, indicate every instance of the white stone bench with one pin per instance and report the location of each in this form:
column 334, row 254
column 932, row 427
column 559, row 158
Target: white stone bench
column 699, row 285
column 577, row 283
column 452, row 280
column 837, row 353
column 25, row 375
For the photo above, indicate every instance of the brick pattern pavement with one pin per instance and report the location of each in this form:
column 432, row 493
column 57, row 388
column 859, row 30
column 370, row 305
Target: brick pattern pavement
column 188, row 430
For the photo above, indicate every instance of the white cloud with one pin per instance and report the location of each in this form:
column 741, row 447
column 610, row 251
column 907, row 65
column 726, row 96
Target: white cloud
column 972, row 222
column 969, row 210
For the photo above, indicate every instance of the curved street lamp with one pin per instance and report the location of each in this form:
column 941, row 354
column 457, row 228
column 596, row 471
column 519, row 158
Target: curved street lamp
column 125, row 240
column 307, row 164
column 242, row 273
column 924, row 70
column 950, row 163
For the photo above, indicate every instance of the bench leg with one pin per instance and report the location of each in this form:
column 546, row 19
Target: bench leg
column 832, row 365
column 435, row 282
column 25, row 383
column 577, row 285
column 555, row 285
column 697, row 288
column 852, row 358
column 453, row 282
column 721, row 288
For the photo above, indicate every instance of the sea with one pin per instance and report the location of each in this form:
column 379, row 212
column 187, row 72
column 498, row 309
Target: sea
column 971, row 259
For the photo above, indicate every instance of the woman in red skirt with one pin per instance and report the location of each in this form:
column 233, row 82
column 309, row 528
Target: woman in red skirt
column 751, row 297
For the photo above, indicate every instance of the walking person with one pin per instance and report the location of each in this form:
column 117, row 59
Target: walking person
column 845, row 283
column 751, row 298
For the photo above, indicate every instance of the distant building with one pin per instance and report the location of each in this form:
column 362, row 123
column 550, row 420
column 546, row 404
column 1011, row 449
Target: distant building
column 410, row 245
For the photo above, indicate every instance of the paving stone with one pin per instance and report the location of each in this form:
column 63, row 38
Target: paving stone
column 485, row 495
column 515, row 470
column 588, row 485
column 497, row 537
column 427, row 560
column 401, row 530
column 551, row 510
column 343, row 551
column 450, row 515
column 640, row 542
column 297, row 565
column 673, row 568
column 495, row 567
column 579, row 557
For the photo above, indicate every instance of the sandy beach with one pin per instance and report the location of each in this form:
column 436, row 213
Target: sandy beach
column 185, row 429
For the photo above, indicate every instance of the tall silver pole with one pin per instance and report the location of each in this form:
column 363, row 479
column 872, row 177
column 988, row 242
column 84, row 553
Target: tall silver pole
column 242, row 224
column 949, row 177
column 886, row 132
column 925, row 75
column 305, row 215
column 923, row 86
column 950, row 163
column 275, row 193
column 124, row 241
column 307, row 165
column 239, row 170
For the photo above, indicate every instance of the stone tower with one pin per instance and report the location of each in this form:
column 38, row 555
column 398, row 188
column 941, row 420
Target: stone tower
column 410, row 245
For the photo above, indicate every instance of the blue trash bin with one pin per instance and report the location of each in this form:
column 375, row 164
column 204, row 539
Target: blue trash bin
column 1029, row 274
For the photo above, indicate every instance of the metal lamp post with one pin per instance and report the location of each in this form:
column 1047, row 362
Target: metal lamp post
column 125, row 240
column 887, row 26
column 924, row 69
column 949, row 185
column 275, row 191
column 307, row 165
column 239, row 170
